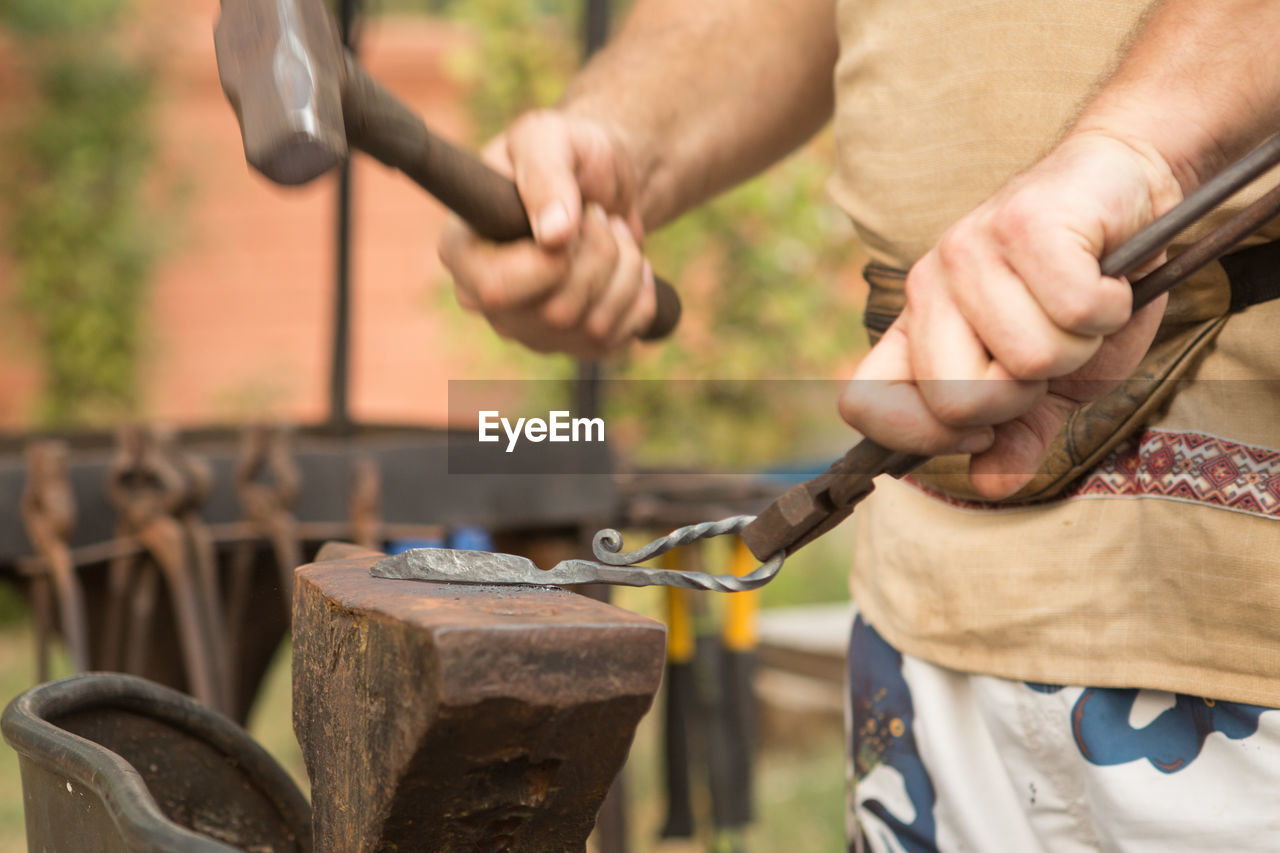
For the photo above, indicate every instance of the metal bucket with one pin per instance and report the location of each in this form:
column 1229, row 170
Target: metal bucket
column 111, row 763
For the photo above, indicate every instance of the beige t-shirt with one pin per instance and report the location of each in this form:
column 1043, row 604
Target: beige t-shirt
column 1163, row 570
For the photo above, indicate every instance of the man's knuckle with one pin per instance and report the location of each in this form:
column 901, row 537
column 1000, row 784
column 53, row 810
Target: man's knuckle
column 449, row 247
column 596, row 259
column 555, row 267
column 1026, row 360
column 530, row 122
column 853, row 408
column 491, row 291
column 628, row 255
column 1015, row 223
column 543, row 116
column 448, row 257
column 464, row 297
column 564, row 312
column 610, row 252
column 918, row 288
column 1075, row 311
column 957, row 248
column 599, row 328
column 956, row 405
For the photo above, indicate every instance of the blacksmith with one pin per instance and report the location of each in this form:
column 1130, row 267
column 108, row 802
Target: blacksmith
column 1070, row 638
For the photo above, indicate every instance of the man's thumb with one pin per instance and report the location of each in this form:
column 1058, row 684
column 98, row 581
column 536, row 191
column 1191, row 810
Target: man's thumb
column 545, row 166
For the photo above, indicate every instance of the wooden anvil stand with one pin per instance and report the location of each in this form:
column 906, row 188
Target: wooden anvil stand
column 440, row 717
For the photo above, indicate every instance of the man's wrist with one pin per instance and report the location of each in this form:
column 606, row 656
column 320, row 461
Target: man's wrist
column 1200, row 83
column 1175, row 147
column 628, row 147
column 1168, row 182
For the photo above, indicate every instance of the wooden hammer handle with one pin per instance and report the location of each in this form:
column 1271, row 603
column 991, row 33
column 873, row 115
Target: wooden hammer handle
column 380, row 125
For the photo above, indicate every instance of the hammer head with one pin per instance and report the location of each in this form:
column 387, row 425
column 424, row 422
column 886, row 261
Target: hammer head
column 281, row 65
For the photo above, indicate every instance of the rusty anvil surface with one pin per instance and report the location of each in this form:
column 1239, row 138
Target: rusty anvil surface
column 439, row 717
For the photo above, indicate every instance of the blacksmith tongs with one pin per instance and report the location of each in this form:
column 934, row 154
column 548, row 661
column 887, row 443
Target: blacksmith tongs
column 809, row 509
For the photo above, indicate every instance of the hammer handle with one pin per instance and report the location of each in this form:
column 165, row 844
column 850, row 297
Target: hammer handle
column 383, row 127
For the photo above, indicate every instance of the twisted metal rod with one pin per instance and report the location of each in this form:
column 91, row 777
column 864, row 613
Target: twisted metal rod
column 445, row 565
column 607, row 543
column 618, row 567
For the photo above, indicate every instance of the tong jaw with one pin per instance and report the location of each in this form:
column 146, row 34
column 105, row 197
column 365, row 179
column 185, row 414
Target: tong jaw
column 809, row 509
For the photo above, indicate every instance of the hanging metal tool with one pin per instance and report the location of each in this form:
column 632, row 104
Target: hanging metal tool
column 268, row 482
column 148, row 492
column 49, row 514
column 810, row 509
column 196, row 485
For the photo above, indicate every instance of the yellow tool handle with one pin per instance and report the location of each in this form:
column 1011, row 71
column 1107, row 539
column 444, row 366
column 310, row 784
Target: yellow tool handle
column 739, row 630
column 680, row 638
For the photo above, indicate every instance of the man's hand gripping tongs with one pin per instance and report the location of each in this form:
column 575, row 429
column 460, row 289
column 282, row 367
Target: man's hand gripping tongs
column 809, row 509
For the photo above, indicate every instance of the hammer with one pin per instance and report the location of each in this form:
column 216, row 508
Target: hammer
column 303, row 102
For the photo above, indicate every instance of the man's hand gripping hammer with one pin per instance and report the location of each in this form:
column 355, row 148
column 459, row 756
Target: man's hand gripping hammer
column 303, row 103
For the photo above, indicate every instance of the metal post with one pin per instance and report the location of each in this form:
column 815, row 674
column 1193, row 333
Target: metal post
column 587, row 386
column 340, row 357
column 595, row 26
column 611, row 824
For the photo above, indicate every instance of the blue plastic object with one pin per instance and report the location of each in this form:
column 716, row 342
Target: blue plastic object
column 399, row 546
column 469, row 537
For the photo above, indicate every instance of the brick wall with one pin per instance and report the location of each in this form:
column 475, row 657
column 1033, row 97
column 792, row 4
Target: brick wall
column 239, row 320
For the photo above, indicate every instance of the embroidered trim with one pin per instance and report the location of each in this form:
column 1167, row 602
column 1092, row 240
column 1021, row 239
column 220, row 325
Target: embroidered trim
column 1181, row 466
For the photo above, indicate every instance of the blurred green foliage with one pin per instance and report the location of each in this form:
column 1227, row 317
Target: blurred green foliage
column 774, row 312
column 13, row 606
column 521, row 56
column 759, row 270
column 80, row 233
column 42, row 17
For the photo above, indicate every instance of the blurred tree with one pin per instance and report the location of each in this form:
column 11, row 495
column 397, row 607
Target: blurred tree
column 521, row 55
column 82, row 239
column 766, row 274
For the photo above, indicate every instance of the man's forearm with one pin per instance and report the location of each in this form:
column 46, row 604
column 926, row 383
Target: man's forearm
column 706, row 94
column 1201, row 84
